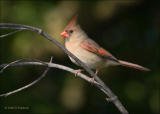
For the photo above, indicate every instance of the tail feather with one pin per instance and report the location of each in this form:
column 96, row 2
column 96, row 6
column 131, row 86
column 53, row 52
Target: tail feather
column 132, row 65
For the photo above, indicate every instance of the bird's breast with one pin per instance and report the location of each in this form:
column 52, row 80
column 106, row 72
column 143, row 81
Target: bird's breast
column 90, row 59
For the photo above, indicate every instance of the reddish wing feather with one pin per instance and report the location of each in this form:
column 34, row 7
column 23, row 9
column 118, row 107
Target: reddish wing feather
column 90, row 47
column 103, row 52
column 95, row 49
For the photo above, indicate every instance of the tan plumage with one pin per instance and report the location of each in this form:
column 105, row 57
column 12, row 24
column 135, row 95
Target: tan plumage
column 88, row 51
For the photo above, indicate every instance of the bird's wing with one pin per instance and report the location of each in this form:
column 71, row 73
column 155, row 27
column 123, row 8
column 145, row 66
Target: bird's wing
column 93, row 47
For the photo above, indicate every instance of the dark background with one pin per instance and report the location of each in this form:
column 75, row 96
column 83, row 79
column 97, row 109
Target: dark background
column 129, row 29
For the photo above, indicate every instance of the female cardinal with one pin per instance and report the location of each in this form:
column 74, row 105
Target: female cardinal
column 88, row 51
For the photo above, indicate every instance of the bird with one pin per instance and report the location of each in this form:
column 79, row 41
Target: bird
column 88, row 51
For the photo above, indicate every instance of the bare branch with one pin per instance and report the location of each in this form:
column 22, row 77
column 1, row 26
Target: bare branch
column 110, row 94
column 19, row 26
column 26, row 86
column 53, row 65
column 11, row 33
column 7, row 65
column 12, row 28
column 10, row 64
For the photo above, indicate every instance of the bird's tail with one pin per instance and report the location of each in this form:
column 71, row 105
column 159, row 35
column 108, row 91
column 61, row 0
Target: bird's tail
column 132, row 65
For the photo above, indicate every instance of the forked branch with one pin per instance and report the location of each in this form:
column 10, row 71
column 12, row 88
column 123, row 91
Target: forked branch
column 111, row 96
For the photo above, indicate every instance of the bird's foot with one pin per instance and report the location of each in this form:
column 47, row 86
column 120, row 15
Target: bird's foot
column 91, row 80
column 77, row 71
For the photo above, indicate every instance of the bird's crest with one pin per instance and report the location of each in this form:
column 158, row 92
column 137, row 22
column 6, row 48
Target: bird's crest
column 73, row 22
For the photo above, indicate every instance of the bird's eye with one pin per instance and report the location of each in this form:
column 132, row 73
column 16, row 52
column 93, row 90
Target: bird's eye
column 70, row 31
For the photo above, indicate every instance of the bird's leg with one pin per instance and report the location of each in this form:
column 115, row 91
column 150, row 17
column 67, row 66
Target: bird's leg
column 92, row 79
column 77, row 71
column 97, row 70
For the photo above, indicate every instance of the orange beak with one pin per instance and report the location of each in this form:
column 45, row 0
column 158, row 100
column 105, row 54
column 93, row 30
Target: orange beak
column 64, row 34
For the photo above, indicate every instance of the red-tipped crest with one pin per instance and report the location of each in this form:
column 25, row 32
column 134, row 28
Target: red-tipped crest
column 72, row 22
column 71, row 26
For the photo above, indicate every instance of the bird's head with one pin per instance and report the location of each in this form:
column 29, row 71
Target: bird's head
column 71, row 28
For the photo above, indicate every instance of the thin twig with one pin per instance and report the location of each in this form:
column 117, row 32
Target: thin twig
column 53, row 65
column 12, row 28
column 9, row 64
column 19, row 26
column 10, row 33
column 26, row 86
column 110, row 94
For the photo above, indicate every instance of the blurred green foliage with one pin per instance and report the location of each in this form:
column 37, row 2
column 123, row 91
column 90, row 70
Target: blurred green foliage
column 128, row 29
